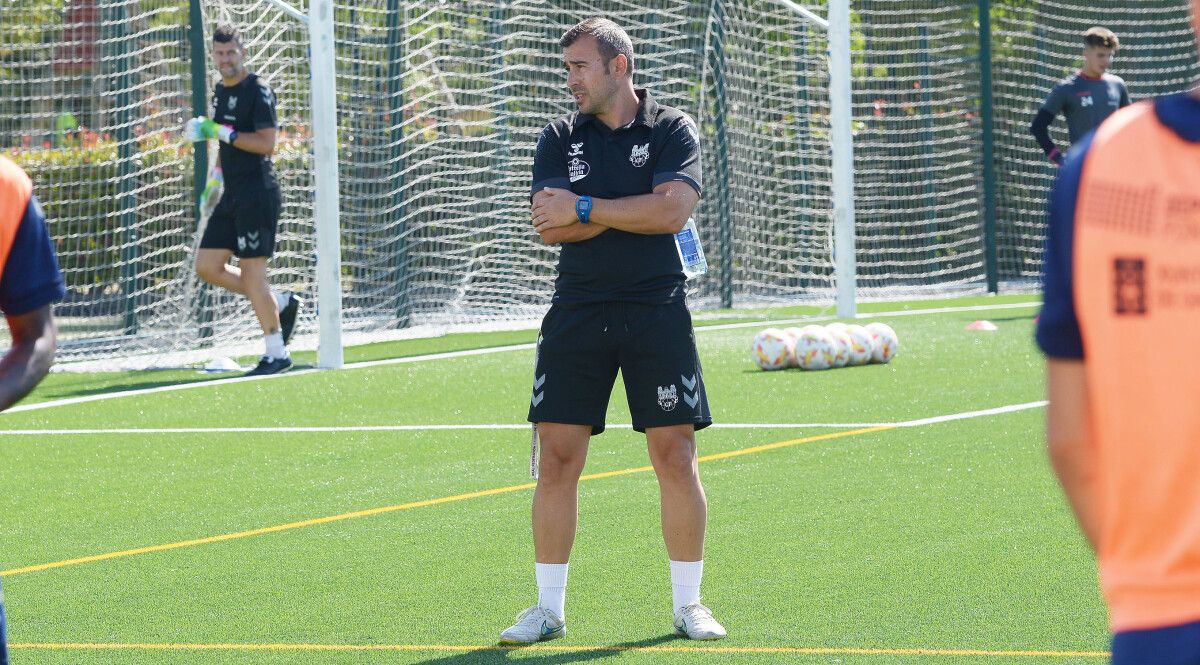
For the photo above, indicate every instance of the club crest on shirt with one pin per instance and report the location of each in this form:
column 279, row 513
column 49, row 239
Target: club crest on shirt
column 640, row 155
column 668, row 397
column 578, row 169
column 232, row 103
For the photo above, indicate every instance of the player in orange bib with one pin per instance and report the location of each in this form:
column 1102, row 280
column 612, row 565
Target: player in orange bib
column 1122, row 280
column 29, row 282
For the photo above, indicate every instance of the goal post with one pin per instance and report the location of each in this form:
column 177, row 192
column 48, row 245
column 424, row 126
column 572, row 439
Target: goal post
column 837, row 26
column 326, row 208
column 842, row 151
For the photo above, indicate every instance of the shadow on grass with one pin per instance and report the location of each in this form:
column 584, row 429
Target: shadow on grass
column 1013, row 318
column 65, row 391
column 502, row 655
column 141, row 380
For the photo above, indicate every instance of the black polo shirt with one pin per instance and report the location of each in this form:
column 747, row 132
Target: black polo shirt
column 248, row 106
column 580, row 153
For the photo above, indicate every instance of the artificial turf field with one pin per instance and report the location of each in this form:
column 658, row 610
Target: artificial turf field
column 834, row 536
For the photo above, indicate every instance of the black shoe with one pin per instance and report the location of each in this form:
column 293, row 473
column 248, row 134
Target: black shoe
column 287, row 317
column 269, row 365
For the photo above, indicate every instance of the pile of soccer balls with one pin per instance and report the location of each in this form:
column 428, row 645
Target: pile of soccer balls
column 825, row 347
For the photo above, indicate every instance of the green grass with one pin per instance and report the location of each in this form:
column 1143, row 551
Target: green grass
column 950, row 536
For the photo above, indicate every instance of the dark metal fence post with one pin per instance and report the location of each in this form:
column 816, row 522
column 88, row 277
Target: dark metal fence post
column 395, row 105
column 989, row 148
column 725, row 224
column 199, row 62
column 124, row 119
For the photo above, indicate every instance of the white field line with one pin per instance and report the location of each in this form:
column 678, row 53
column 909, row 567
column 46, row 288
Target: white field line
column 472, row 352
column 242, row 379
column 1011, row 408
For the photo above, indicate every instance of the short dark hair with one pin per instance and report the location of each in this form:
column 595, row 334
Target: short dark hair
column 609, row 36
column 1102, row 37
column 227, row 33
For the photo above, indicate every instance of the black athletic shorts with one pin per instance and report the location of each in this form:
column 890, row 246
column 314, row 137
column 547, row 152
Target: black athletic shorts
column 583, row 346
column 244, row 223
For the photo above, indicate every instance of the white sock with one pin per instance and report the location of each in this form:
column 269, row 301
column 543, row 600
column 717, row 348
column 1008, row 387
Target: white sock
column 275, row 347
column 281, row 299
column 552, row 587
column 685, row 582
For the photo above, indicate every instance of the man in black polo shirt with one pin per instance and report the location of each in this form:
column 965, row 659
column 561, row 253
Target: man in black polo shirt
column 242, row 197
column 612, row 184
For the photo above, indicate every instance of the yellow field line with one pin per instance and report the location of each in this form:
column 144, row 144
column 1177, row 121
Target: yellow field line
column 823, row 651
column 264, row 530
column 407, row 506
column 792, row 442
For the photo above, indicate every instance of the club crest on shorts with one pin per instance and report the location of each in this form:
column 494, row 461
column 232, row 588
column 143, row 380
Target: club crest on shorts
column 640, row 155
column 668, row 397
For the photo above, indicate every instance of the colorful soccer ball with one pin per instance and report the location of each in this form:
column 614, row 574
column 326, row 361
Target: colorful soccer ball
column 886, row 343
column 794, row 333
column 815, row 348
column 772, row 349
column 841, row 340
column 837, row 325
column 862, row 346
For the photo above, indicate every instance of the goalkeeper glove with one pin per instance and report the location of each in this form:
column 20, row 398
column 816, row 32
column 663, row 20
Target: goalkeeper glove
column 202, row 129
column 212, row 191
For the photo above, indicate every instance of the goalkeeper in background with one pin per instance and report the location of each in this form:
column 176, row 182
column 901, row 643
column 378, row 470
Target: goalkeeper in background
column 242, row 197
column 1122, row 266
column 29, row 282
column 1086, row 97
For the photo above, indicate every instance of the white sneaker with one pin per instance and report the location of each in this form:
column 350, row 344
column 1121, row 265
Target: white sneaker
column 536, row 624
column 697, row 623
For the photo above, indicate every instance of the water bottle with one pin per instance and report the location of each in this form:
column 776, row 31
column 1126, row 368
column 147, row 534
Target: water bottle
column 691, row 254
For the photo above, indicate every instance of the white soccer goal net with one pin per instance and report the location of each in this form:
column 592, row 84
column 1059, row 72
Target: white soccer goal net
column 439, row 107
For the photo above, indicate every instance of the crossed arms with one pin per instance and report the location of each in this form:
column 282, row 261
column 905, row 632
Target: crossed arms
column 665, row 210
